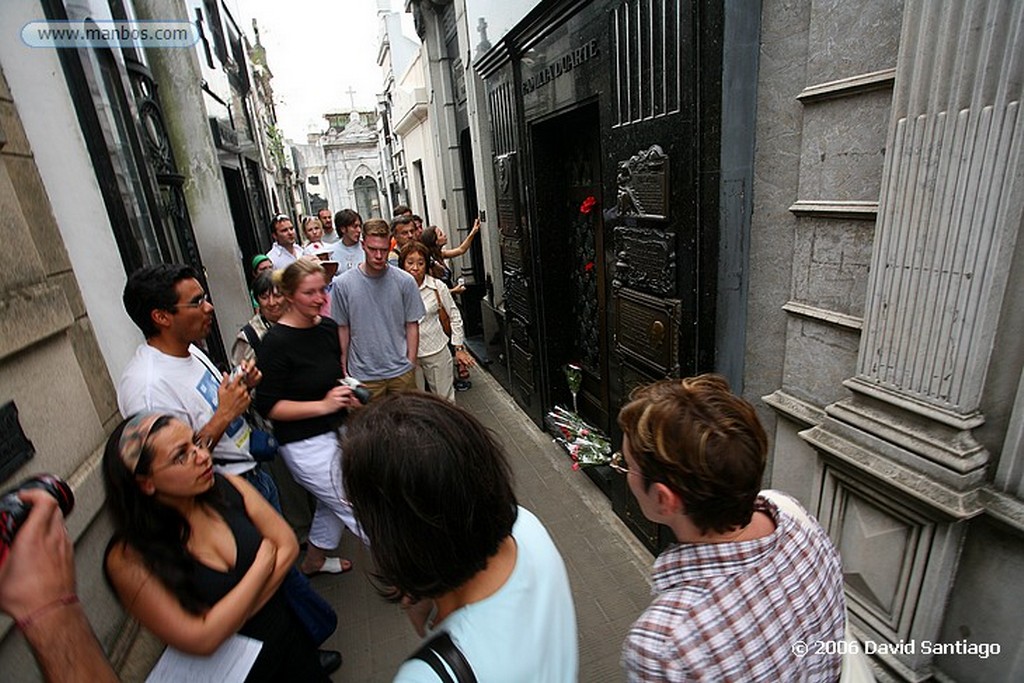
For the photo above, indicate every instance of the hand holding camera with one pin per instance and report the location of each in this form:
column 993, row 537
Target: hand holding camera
column 358, row 390
column 14, row 510
column 246, row 373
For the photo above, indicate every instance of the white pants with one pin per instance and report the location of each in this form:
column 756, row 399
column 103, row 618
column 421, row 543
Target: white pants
column 436, row 370
column 315, row 464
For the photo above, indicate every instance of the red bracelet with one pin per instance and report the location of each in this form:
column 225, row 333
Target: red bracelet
column 64, row 601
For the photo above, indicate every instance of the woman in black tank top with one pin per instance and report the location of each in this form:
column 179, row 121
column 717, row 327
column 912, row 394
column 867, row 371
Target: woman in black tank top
column 197, row 557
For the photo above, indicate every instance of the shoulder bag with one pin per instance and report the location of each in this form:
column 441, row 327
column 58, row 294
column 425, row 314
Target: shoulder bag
column 442, row 315
column 856, row 667
column 440, row 649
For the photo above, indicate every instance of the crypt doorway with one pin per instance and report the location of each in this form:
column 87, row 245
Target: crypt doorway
column 568, row 240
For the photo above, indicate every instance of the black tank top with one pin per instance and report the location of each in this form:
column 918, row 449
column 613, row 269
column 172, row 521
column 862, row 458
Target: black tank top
column 287, row 652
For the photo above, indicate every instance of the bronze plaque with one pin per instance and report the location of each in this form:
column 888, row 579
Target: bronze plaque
column 645, row 260
column 643, row 186
column 647, row 329
column 15, row 447
column 512, row 257
column 517, row 296
column 504, row 172
column 631, row 377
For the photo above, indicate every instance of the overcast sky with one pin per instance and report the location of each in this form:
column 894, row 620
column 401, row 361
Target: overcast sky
column 317, row 50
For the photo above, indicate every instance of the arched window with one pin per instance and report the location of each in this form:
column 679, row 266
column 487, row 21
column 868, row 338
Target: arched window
column 367, row 197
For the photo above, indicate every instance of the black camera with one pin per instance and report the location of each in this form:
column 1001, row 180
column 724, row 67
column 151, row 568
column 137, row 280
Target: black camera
column 360, row 391
column 13, row 511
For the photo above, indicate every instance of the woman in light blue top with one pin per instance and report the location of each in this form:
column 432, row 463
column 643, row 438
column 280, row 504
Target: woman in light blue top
column 433, row 492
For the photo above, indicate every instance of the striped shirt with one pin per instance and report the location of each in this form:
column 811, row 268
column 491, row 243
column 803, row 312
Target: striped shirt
column 736, row 611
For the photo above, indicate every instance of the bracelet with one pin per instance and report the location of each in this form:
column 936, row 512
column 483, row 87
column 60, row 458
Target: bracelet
column 63, row 601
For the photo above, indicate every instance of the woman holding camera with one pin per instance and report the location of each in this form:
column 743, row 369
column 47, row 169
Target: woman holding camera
column 300, row 358
column 196, row 556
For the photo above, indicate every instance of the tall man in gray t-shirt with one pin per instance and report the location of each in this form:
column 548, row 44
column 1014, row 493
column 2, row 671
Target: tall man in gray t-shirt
column 378, row 308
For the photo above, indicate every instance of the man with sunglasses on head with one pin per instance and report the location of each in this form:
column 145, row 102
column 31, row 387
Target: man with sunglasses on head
column 752, row 583
column 285, row 250
column 170, row 374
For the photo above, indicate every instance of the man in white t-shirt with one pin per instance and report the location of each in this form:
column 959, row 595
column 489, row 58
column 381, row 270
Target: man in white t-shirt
column 170, row 374
column 348, row 252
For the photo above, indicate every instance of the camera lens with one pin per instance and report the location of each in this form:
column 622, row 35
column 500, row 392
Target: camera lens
column 13, row 510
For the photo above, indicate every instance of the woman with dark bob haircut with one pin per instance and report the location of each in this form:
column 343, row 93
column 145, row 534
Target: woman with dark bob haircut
column 433, row 492
column 196, row 556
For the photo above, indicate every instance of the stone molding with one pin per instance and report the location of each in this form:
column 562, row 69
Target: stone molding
column 844, row 87
column 825, row 315
column 30, row 314
column 899, row 560
column 794, row 408
column 995, row 504
column 829, row 208
column 862, row 451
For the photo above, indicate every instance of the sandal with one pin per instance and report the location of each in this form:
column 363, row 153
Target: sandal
column 333, row 565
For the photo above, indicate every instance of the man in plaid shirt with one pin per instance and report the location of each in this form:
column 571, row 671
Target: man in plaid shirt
column 749, row 593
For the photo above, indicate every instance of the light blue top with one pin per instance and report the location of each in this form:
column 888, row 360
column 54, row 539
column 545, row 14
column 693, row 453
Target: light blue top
column 526, row 631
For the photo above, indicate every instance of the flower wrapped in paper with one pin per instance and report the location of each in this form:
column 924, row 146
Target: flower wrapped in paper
column 584, row 443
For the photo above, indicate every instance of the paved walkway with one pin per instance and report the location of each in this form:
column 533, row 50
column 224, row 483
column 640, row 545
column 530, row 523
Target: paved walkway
column 608, row 568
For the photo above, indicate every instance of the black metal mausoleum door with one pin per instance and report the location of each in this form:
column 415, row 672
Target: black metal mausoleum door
column 566, row 152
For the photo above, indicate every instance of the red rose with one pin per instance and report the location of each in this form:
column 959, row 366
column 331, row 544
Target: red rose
column 588, row 205
column 589, row 267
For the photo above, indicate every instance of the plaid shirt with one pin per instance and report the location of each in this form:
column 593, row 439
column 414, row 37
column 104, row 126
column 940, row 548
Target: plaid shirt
column 734, row 611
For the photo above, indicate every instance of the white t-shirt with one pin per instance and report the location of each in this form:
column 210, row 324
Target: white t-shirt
column 348, row 257
column 187, row 389
column 526, row 631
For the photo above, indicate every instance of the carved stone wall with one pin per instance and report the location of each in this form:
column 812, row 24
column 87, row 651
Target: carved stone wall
column 902, row 364
column 52, row 371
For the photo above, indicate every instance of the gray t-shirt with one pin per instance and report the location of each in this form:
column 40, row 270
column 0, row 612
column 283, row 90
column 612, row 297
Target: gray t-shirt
column 376, row 310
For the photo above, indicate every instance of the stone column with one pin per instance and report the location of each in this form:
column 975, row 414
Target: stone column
column 177, row 73
column 903, row 467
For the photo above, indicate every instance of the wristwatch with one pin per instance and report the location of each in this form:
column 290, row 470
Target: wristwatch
column 460, row 348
